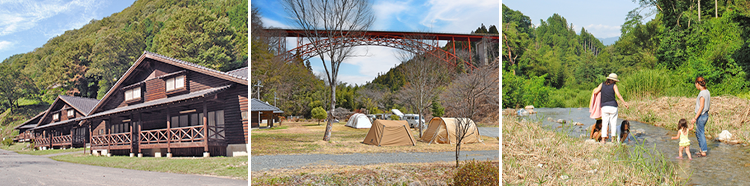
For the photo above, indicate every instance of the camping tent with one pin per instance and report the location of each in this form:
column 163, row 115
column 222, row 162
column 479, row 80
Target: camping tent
column 443, row 130
column 359, row 121
column 389, row 133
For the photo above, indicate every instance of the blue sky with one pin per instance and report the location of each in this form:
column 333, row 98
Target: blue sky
column 601, row 18
column 26, row 25
column 447, row 16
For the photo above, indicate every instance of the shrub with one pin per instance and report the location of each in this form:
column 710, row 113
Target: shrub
column 477, row 173
column 8, row 142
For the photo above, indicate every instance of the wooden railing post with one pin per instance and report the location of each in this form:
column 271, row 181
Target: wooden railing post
column 140, row 121
column 205, row 127
column 169, row 132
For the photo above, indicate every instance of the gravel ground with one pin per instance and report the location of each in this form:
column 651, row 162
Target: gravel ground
column 259, row 163
column 22, row 169
column 489, row 131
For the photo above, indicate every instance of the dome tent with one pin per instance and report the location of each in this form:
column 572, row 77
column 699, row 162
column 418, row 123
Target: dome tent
column 359, row 121
column 389, row 133
column 443, row 130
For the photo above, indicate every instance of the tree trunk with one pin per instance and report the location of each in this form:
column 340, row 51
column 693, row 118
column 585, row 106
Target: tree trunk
column 329, row 124
column 458, row 152
column 716, row 7
column 699, row 10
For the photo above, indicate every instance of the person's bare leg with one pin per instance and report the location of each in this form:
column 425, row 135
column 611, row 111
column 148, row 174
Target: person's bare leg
column 687, row 151
column 679, row 152
column 604, row 140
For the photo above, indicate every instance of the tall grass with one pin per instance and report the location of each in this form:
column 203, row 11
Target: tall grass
column 653, row 83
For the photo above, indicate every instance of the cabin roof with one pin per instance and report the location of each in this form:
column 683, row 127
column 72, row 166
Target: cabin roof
column 258, row 105
column 233, row 76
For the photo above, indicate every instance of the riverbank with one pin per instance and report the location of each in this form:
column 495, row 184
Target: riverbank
column 533, row 155
column 727, row 113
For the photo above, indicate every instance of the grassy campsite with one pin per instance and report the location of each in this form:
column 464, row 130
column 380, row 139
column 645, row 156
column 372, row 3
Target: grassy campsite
column 304, row 137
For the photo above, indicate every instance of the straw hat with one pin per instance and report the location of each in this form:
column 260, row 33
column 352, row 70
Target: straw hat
column 613, row 76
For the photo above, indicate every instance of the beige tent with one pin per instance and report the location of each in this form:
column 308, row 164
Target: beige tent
column 443, row 130
column 389, row 133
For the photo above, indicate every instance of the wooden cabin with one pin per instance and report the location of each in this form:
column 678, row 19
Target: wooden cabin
column 61, row 124
column 167, row 106
column 26, row 129
column 260, row 111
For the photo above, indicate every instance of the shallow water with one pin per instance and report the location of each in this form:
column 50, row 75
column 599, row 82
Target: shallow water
column 724, row 165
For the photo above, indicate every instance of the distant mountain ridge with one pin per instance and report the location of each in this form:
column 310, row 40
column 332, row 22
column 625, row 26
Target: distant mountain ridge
column 609, row 40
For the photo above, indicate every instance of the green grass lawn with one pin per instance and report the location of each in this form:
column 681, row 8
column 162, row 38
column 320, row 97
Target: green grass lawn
column 231, row 167
column 21, row 149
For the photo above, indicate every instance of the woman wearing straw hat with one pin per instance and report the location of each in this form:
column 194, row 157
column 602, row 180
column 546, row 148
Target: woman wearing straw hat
column 608, row 90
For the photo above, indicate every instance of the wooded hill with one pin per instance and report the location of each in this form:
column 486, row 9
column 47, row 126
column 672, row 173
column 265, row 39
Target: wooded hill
column 551, row 66
column 86, row 62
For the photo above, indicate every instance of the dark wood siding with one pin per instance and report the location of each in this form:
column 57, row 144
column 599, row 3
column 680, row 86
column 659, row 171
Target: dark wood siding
column 244, row 107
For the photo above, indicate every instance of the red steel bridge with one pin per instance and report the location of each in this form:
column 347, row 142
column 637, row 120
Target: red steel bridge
column 407, row 41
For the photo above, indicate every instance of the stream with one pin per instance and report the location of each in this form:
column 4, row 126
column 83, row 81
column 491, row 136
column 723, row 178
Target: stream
column 725, row 164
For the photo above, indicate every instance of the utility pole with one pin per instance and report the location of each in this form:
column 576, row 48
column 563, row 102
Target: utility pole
column 258, row 85
column 274, row 99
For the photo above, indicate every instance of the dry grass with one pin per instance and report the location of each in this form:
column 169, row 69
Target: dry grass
column 306, row 137
column 532, row 155
column 727, row 113
column 439, row 173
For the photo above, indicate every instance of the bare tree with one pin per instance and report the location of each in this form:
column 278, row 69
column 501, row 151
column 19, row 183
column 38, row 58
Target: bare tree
column 464, row 98
column 329, row 25
column 423, row 74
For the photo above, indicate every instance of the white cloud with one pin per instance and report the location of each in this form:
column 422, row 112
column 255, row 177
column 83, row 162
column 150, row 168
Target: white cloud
column 19, row 16
column 385, row 10
column 461, row 16
column 268, row 23
column 5, row 44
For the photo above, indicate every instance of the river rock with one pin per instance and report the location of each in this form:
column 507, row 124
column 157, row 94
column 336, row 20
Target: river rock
column 724, row 136
column 560, row 121
column 639, row 132
column 578, row 123
column 530, row 109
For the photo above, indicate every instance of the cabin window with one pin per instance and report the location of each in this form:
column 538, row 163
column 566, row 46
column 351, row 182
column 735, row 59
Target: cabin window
column 71, row 113
column 186, row 120
column 175, row 83
column 120, row 128
column 244, row 115
column 216, row 120
column 56, row 116
column 101, row 131
column 133, row 94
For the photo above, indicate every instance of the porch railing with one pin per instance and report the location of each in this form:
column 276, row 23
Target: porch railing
column 153, row 136
column 41, row 141
column 64, row 139
column 182, row 134
column 216, row 133
column 187, row 134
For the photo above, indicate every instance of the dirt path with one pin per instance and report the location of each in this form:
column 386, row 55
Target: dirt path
column 21, row 169
column 259, row 163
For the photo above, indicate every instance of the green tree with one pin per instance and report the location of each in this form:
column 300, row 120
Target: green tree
column 437, row 109
column 319, row 113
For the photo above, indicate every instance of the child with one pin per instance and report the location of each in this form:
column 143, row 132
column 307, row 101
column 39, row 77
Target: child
column 596, row 130
column 682, row 132
column 624, row 131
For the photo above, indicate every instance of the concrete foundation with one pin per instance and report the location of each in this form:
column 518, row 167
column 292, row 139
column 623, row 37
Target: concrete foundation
column 109, row 154
column 169, row 155
column 132, row 155
column 234, row 150
column 140, row 155
column 206, row 154
column 157, row 154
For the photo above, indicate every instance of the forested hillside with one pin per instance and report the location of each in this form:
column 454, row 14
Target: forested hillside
column 86, row 62
column 551, row 66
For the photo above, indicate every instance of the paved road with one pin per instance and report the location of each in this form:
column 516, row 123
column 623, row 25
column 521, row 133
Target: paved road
column 259, row 163
column 489, row 131
column 21, row 169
